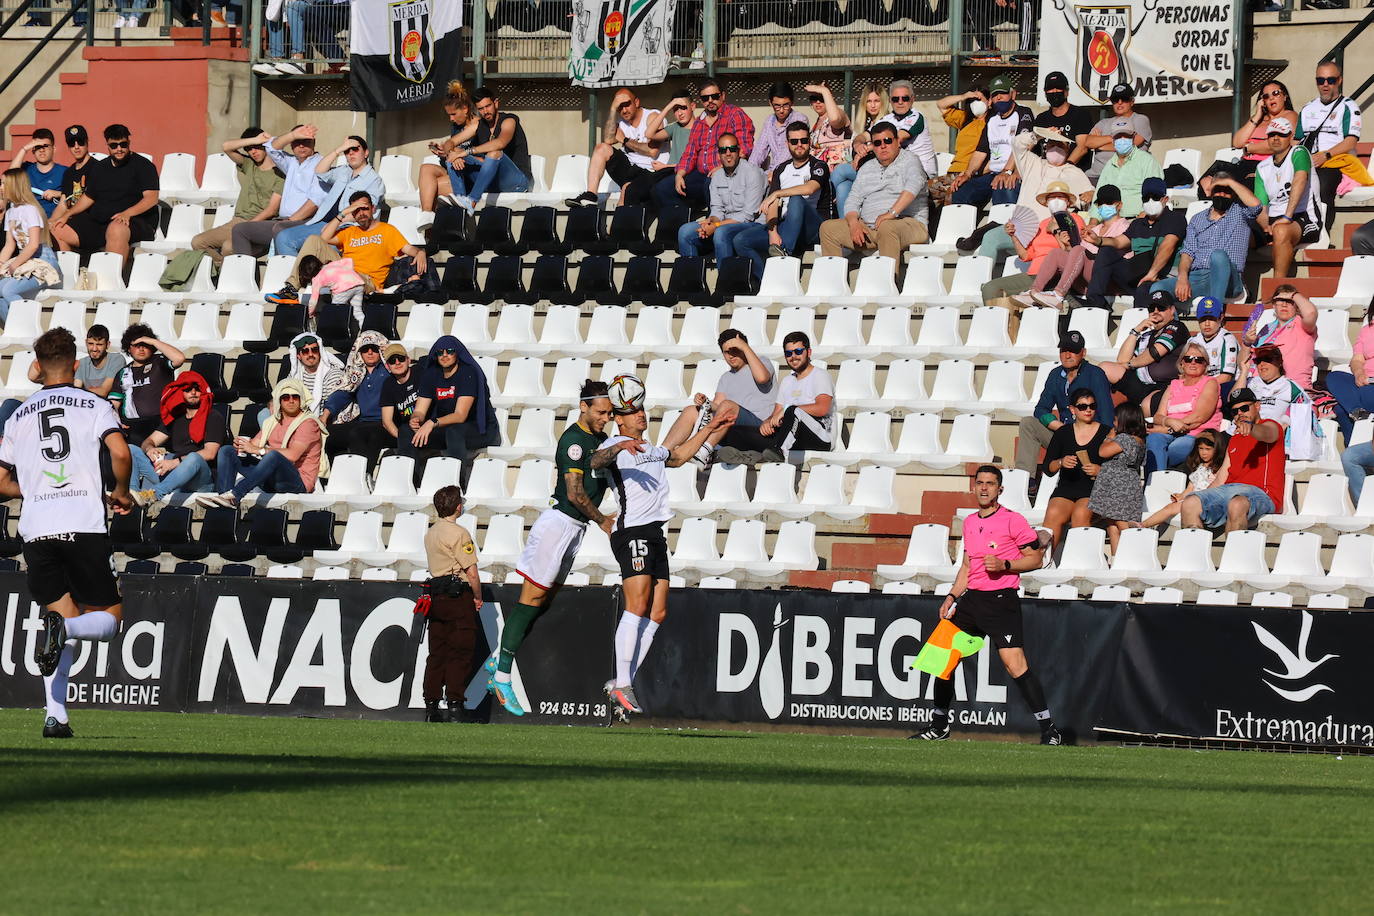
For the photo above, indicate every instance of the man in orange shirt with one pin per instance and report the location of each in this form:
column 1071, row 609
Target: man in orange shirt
column 372, row 244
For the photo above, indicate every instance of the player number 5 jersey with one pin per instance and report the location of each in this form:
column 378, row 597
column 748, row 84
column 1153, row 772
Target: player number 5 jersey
column 52, row 446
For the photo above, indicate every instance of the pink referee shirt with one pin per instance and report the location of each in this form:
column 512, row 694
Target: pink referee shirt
column 1002, row 534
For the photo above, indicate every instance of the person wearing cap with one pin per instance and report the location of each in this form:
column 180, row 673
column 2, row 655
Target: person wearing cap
column 455, row 594
column 966, row 113
column 994, row 178
column 1284, row 185
column 399, row 393
column 1148, row 358
column 453, row 409
column 74, row 179
column 912, row 130
column 1102, row 138
column 45, row 175
column 1250, row 483
column 1049, row 237
column 1329, row 127
column 286, row 456
column 1071, row 121
column 1191, row 403
column 260, row 187
column 1223, row 350
column 1051, row 409
column 886, row 207
column 355, row 410
column 119, row 207
column 321, row 373
column 1293, row 330
column 1216, row 245
column 1070, row 266
column 297, row 203
column 1128, row 167
column 1146, row 251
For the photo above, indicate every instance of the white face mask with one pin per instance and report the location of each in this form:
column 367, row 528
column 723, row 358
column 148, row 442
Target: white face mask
column 1152, row 207
column 1057, row 205
column 978, row 108
column 1056, row 156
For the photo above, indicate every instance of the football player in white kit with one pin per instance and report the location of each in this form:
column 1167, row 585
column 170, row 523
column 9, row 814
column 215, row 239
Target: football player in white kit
column 50, row 458
column 636, row 471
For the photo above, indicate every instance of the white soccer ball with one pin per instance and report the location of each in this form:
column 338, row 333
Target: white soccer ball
column 627, row 393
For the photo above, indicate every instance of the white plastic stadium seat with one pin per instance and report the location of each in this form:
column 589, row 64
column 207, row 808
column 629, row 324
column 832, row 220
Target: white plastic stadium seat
column 186, row 222
column 1218, row 596
column 362, row 534
column 397, row 173
column 1083, row 554
column 927, row 556
column 956, row 221
column 850, row 587
column 177, row 178
column 1242, row 557
column 219, row 184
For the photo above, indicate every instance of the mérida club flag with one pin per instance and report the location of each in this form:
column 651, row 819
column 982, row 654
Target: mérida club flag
column 403, row 52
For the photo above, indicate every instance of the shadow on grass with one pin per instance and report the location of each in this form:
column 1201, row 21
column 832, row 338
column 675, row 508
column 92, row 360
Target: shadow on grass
column 164, row 775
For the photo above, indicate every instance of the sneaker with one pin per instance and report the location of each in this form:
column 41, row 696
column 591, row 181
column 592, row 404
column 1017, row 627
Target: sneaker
column 505, row 695
column 120, row 22
column 290, row 68
column 48, row 651
column 144, row 497
column 1053, row 736
column 466, row 203
column 433, row 713
column 776, row 251
column 934, row 733
column 55, row 729
column 585, row 199
column 1025, row 300
column 1049, row 298
column 967, row 243
column 1358, row 414
column 624, row 699
column 221, row 500
column 287, row 295
column 490, row 665
column 266, row 68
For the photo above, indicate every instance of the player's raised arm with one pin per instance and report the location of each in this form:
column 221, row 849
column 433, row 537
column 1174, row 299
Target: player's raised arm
column 605, row 457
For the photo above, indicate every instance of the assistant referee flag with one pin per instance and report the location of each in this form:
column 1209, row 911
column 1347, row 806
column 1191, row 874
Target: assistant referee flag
column 403, row 52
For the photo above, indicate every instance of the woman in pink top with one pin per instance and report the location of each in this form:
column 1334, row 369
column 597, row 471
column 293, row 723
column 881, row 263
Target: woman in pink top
column 831, row 133
column 1191, row 403
column 1072, row 265
column 1272, row 101
column 1352, row 391
column 1293, row 331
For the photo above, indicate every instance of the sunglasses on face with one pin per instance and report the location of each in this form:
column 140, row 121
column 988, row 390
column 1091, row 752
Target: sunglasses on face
column 727, row 149
column 797, row 351
column 1160, row 308
column 369, row 349
column 1197, row 360
column 900, row 98
column 448, row 352
column 797, row 141
column 118, row 144
column 38, row 149
column 1278, row 300
column 396, row 360
column 1276, row 94
column 310, row 349
column 1085, row 406
column 289, row 397
column 1151, row 196
column 708, row 96
column 354, row 149
column 885, row 141
column 1327, row 80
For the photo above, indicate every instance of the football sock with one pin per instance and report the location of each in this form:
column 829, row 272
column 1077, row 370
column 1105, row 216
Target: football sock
column 517, row 625
column 55, row 685
column 625, row 635
column 97, row 625
column 647, row 629
column 944, row 698
column 1034, row 695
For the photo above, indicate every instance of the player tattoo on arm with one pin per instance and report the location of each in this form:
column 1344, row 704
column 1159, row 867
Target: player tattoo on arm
column 577, row 495
column 605, row 457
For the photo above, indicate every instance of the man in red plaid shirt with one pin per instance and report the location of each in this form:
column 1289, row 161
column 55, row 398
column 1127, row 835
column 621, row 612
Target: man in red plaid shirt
column 692, row 183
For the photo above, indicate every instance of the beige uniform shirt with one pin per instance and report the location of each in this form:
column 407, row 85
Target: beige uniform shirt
column 449, row 549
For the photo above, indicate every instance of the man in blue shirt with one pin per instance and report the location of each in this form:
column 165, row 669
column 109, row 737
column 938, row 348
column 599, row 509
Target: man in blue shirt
column 297, row 205
column 1052, row 409
column 45, row 176
column 334, row 187
column 1215, row 248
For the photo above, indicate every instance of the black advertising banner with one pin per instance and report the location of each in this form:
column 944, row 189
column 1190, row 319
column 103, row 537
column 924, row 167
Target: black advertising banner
column 817, row 658
column 1281, row 676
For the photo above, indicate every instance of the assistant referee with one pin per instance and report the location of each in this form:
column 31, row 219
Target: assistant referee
column 999, row 545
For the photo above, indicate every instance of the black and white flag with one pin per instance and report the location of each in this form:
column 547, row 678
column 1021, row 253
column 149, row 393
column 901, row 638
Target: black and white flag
column 404, row 52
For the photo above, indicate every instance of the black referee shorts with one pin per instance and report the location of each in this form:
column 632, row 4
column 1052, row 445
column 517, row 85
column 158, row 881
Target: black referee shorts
column 80, row 565
column 996, row 615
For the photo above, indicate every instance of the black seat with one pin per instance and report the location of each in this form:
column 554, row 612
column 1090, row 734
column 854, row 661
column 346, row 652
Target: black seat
column 219, row 529
column 596, row 281
column 171, row 532
column 287, row 322
column 686, row 283
column 583, row 228
column 266, row 534
column 493, row 234
column 629, row 232
column 334, row 324
column 188, row 568
column 734, row 277
column 211, row 368
column 141, row 568
column 539, row 229
column 316, row 532
column 242, row 570
column 670, row 220
column 550, row 281
column 11, row 565
column 129, row 534
column 451, row 226
column 506, row 282
column 250, row 378
column 382, row 319
column 249, row 423
column 10, row 546
column 460, row 281
column 641, row 281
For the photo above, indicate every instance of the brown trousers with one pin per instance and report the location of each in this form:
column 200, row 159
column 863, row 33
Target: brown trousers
column 452, row 644
column 893, row 237
column 218, row 242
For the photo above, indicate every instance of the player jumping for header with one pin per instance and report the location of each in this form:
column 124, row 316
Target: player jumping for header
column 999, row 545
column 50, row 458
column 557, row 533
column 636, row 471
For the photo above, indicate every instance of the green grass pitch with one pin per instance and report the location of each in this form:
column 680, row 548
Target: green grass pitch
column 158, row 813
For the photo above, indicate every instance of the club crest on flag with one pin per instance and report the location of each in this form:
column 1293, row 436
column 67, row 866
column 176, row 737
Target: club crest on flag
column 1103, row 34
column 412, row 45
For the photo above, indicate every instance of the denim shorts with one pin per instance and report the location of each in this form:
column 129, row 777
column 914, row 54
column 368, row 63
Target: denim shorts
column 1215, row 500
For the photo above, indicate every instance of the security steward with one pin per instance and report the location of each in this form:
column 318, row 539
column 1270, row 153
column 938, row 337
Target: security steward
column 456, row 597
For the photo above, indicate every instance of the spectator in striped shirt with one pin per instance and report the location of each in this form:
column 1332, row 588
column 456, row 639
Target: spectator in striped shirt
column 692, row 184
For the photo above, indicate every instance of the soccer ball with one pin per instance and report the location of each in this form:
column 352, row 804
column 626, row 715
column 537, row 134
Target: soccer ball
column 627, row 394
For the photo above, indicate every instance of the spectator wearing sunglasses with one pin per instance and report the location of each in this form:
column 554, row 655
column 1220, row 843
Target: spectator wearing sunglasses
column 1074, row 456
column 1329, row 127
column 912, row 130
column 1147, row 361
column 1190, row 404
column 356, row 408
column 804, row 415
column 322, row 373
column 1052, row 409
column 1293, row 331
column 335, row 185
column 286, row 456
column 799, row 193
column 734, row 224
column 1250, row 483
column 1148, row 249
column 1216, row 245
column 692, row 182
column 260, row 187
column 45, row 175
column 991, row 175
column 399, row 393
column 119, row 207
column 297, row 203
column 886, row 207
column 453, row 412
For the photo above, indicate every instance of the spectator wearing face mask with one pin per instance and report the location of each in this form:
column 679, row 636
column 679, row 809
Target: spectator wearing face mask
column 1217, row 243
column 1133, row 261
column 1073, row 122
column 1070, row 267
column 1102, row 139
column 966, row 113
column 1128, row 167
column 996, row 179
